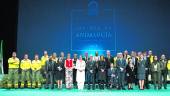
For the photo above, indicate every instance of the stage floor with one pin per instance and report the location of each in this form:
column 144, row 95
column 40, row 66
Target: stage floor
column 85, row 92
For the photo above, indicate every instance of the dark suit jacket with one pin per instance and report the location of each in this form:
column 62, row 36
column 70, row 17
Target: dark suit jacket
column 121, row 64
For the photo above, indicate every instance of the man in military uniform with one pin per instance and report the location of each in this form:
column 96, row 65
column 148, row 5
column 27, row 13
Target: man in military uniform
column 156, row 73
column 91, row 68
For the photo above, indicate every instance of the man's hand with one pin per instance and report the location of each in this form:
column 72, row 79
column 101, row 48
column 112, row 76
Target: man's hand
column 91, row 71
column 102, row 70
column 113, row 75
column 121, row 69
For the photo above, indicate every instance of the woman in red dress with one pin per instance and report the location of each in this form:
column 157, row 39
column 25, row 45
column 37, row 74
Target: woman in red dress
column 69, row 72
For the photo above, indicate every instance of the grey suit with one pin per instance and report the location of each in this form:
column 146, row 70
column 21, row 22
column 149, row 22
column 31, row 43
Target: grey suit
column 121, row 64
column 164, row 72
column 141, row 69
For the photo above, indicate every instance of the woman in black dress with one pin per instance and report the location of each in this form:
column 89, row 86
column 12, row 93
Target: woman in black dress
column 130, row 73
column 60, row 70
column 102, row 72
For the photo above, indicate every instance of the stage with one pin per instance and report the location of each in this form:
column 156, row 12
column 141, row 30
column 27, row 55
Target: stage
column 85, row 92
column 83, row 28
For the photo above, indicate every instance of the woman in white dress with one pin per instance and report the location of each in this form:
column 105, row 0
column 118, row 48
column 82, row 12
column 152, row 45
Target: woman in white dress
column 80, row 76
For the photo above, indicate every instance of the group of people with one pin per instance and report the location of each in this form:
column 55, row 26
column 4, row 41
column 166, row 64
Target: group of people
column 96, row 71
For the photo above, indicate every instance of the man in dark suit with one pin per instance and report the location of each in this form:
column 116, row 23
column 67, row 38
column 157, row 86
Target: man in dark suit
column 135, row 63
column 91, row 68
column 74, row 70
column 49, row 70
column 149, row 60
column 86, row 58
column 109, row 59
column 121, row 66
column 112, row 76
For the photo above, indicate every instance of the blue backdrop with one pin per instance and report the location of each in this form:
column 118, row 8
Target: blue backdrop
column 77, row 26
